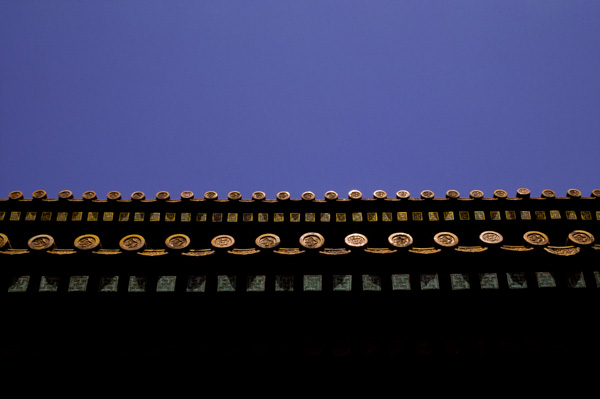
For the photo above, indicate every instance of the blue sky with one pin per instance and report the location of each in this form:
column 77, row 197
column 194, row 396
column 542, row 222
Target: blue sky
column 299, row 96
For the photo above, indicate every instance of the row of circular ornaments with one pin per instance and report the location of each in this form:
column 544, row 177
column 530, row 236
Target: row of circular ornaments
column 308, row 195
column 311, row 240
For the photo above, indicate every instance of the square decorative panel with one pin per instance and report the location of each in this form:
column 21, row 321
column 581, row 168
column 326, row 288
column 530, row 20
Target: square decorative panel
column 576, row 280
column 201, row 217
column 108, row 284
column 488, row 281
column 255, row 283
column 510, row 215
column 278, row 217
column 137, row 284
column 460, row 281
column 554, row 214
column 571, row 215
column 433, row 216
column 372, row 216
column 76, row 216
column 525, row 215
column 294, row 217
column 196, row 284
column 479, row 215
column 263, row 217
column 495, row 215
column 387, row 216
column 418, row 216
column 30, row 216
column 545, row 280
column 402, row 216
column 232, row 217
column 284, row 283
column 325, row 217
column 340, row 217
column 226, row 283
column 463, row 215
column 448, row 215
column 586, row 215
column 401, row 282
column 138, row 217
column 2, row 214
column 309, row 217
column 155, row 217
column 92, row 217
column 312, row 283
column 48, row 284
column 342, row 282
column 62, row 216
column 540, row 215
column 357, row 217
column 371, row 282
column 516, row 280
column 430, row 282
column 124, row 217
column 217, row 217
column 166, row 284
column 108, row 216
column 186, row 217
column 19, row 284
column 247, row 217
column 78, row 283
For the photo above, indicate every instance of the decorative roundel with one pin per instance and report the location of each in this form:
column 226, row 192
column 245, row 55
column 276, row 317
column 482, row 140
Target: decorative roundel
column 491, row 237
column 402, row 194
column 39, row 194
column 355, row 194
column 87, row 242
column 89, row 195
column 452, row 194
column 258, row 195
column 500, row 194
column 581, row 237
column 308, row 196
column 331, row 195
column 40, row 242
column 283, row 196
column 536, row 238
column 65, row 194
column 476, row 194
column 356, row 240
column 427, row 194
column 222, row 241
column 113, row 195
column 267, row 241
column 177, row 241
column 446, row 239
column 211, row 195
column 132, row 242
column 573, row 193
column 400, row 240
column 523, row 193
column 187, row 195
column 3, row 240
column 138, row 196
column 312, row 240
column 380, row 194
column 15, row 195
column 548, row 194
column 596, row 193
column 234, row 195
column 163, row 195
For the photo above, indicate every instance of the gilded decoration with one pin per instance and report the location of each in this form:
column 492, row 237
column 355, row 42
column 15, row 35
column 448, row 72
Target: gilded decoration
column 425, row 251
column 4, row 241
column 400, row 240
column 258, row 196
column 491, row 237
column 133, row 242
column 312, row 240
column 107, row 252
column 267, row 241
column 516, row 248
column 244, row 251
column 380, row 194
column 186, row 195
column 222, row 241
column 331, row 195
column 199, row 252
column 177, row 241
column 87, row 242
column 402, row 194
column 289, row 251
column 473, row 249
column 40, row 242
column 581, row 237
column 536, row 238
column 152, row 252
column 113, row 195
column 382, row 251
column 335, row 251
column 11, row 251
column 563, row 251
column 62, row 251
column 356, row 240
column 446, row 239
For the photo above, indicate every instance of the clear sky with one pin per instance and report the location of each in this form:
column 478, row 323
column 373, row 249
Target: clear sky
column 299, row 96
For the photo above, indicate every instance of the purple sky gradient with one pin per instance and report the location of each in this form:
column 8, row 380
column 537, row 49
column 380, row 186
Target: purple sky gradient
column 299, row 96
